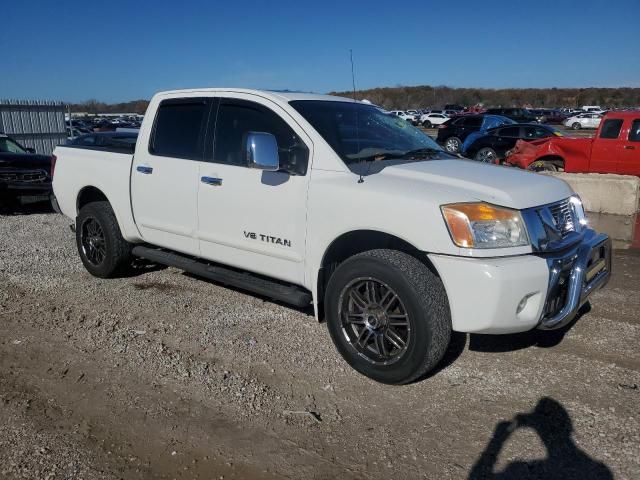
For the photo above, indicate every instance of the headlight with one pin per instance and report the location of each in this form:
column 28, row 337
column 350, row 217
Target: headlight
column 480, row 225
column 578, row 208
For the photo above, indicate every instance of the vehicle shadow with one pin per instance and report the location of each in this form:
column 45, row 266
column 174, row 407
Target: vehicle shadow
column 518, row 341
column 564, row 460
column 16, row 208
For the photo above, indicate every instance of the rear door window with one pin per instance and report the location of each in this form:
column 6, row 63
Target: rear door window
column 178, row 129
column 634, row 132
column 472, row 121
column 535, row 132
column 511, row 132
column 611, row 128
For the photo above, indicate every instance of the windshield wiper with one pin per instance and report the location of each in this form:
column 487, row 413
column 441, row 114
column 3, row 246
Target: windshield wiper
column 422, row 152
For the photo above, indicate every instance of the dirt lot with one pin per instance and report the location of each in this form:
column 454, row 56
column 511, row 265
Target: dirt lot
column 162, row 375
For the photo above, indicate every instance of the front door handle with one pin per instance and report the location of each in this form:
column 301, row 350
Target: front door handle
column 629, row 147
column 216, row 182
column 147, row 170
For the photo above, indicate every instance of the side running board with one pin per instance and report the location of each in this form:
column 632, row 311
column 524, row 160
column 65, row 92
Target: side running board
column 283, row 292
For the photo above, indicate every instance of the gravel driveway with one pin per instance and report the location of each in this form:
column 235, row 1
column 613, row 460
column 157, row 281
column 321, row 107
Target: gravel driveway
column 162, row 375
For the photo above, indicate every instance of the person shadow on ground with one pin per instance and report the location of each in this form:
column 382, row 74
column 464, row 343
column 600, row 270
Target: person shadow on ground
column 564, row 460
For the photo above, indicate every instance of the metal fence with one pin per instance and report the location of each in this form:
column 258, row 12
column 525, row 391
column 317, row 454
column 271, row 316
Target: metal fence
column 33, row 123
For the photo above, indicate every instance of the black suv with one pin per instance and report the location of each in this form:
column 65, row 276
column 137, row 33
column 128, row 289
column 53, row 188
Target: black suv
column 520, row 115
column 23, row 173
column 453, row 133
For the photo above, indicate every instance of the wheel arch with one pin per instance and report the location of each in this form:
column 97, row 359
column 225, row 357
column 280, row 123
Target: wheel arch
column 90, row 194
column 354, row 242
column 554, row 159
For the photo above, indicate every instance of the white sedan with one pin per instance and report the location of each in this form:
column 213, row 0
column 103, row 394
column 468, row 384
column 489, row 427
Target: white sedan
column 428, row 120
column 583, row 120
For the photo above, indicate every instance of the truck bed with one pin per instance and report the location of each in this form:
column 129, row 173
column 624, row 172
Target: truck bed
column 105, row 170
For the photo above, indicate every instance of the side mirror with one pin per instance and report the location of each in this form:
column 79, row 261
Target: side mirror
column 262, row 151
column 30, row 150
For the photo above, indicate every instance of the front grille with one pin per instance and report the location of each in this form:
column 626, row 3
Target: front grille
column 564, row 217
column 24, row 176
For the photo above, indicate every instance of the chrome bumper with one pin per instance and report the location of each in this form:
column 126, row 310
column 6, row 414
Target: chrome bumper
column 574, row 274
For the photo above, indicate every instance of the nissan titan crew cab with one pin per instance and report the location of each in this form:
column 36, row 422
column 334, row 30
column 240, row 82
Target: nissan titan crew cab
column 325, row 201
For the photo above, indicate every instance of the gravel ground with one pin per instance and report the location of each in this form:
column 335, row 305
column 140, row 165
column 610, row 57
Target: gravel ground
column 162, row 375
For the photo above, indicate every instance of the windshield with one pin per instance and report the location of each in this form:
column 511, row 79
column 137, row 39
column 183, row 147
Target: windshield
column 360, row 132
column 9, row 146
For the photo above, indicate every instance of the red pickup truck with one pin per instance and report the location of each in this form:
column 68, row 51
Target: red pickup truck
column 614, row 149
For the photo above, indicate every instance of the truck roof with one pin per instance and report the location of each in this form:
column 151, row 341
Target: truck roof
column 622, row 113
column 277, row 95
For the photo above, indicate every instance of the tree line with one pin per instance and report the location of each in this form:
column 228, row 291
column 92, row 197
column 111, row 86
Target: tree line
column 94, row 106
column 424, row 96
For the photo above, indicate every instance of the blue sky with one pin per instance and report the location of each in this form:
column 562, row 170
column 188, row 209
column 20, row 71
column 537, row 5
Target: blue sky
column 124, row 50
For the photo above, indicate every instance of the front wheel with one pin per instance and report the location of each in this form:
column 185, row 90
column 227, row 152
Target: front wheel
column 103, row 250
column 427, row 124
column 452, row 144
column 486, row 155
column 576, row 126
column 388, row 315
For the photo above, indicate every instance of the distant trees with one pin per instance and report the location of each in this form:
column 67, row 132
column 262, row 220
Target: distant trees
column 401, row 97
column 94, row 106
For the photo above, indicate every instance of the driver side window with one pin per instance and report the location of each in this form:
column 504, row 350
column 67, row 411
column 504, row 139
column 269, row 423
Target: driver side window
column 236, row 118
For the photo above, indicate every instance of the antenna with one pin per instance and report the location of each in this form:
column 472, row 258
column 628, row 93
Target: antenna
column 353, row 76
column 353, row 83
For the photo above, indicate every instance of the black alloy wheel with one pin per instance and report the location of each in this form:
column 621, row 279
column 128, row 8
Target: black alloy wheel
column 374, row 320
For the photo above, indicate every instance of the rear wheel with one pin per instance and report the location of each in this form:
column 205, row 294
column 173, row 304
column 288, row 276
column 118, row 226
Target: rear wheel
column 103, row 250
column 544, row 166
column 427, row 124
column 452, row 144
column 388, row 315
column 486, row 155
column 576, row 126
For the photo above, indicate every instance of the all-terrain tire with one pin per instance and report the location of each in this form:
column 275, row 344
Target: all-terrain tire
column 425, row 301
column 117, row 257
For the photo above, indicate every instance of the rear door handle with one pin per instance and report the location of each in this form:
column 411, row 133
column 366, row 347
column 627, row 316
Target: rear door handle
column 216, row 182
column 147, row 170
column 629, row 147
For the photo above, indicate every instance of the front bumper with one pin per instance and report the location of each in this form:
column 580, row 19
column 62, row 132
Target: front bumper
column 573, row 276
column 515, row 294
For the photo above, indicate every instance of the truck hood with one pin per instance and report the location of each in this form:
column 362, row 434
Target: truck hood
column 24, row 161
column 472, row 181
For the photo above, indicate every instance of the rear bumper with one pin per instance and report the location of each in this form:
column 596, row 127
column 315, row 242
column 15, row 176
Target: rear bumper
column 516, row 294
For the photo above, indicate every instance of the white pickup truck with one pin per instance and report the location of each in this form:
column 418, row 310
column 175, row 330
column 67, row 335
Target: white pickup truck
column 324, row 201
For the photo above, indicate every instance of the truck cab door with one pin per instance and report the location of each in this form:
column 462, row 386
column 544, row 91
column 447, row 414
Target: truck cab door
column 164, row 174
column 249, row 218
column 606, row 149
column 630, row 158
